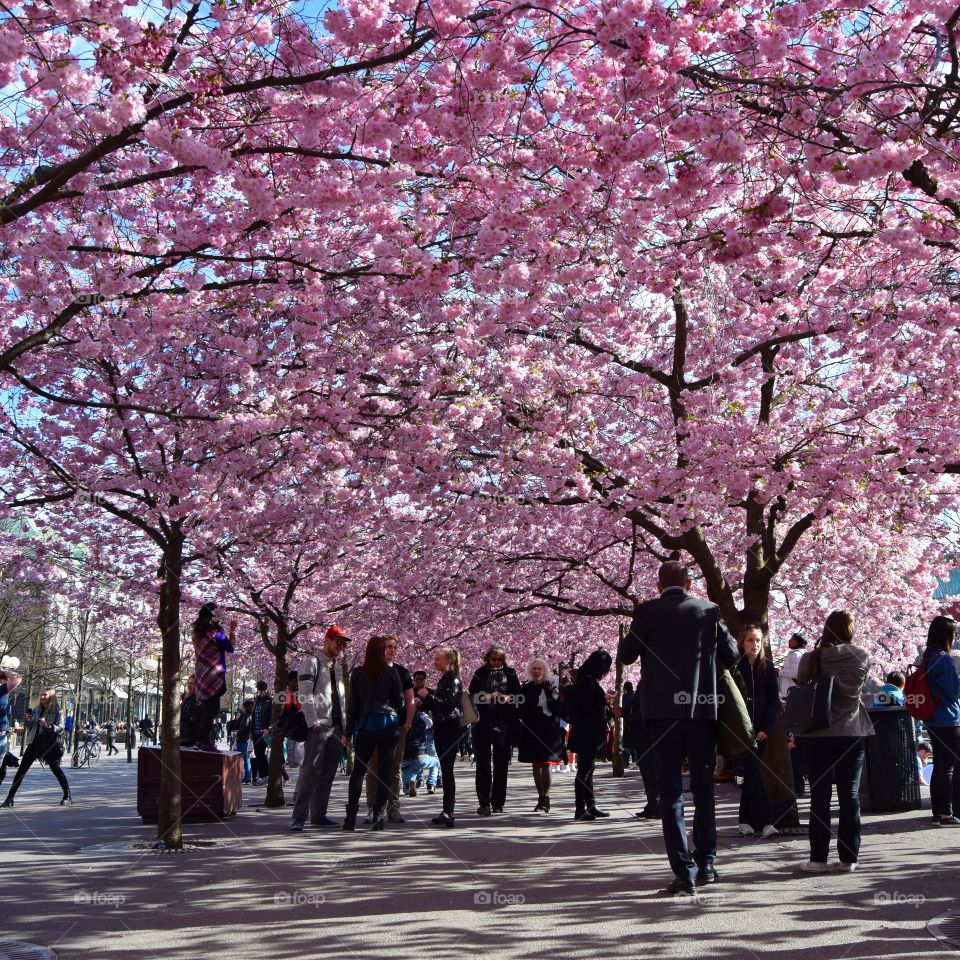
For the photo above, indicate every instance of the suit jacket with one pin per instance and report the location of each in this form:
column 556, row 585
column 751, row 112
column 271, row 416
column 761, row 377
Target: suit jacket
column 678, row 638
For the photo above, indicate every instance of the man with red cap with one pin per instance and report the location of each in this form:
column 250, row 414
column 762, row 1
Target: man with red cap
column 322, row 701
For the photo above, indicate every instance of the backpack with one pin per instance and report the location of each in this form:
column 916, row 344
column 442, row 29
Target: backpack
column 919, row 698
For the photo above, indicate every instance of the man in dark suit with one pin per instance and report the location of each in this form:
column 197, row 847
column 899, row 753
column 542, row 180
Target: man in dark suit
column 678, row 638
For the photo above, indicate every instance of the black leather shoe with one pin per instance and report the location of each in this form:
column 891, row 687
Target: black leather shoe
column 584, row 816
column 484, row 811
column 681, row 888
column 706, row 875
column 598, row 814
column 649, row 813
column 496, row 809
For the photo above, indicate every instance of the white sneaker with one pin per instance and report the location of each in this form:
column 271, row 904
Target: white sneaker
column 770, row 831
column 814, row 866
column 845, row 867
column 745, row 830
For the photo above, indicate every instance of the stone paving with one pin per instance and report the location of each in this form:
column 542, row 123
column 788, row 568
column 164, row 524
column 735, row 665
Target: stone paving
column 513, row 886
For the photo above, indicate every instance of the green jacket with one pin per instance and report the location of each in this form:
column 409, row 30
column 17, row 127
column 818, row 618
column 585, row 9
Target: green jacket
column 735, row 734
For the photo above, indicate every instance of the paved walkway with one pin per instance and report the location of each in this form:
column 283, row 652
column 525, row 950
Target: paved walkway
column 515, row 886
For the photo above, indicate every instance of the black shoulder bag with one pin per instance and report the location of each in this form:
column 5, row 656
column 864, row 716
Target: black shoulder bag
column 809, row 706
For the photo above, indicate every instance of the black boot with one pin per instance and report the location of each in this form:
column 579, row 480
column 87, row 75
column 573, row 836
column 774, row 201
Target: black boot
column 350, row 820
column 66, row 799
column 545, row 803
column 539, row 805
column 379, row 819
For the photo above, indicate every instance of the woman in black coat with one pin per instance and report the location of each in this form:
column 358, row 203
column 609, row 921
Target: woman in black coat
column 541, row 738
column 446, row 708
column 586, row 706
column 763, row 703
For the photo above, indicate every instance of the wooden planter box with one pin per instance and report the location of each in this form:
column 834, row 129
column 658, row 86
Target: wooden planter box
column 211, row 784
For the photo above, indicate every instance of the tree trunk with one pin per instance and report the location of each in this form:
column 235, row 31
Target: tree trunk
column 169, row 822
column 275, row 797
column 130, row 712
column 617, row 758
column 346, row 689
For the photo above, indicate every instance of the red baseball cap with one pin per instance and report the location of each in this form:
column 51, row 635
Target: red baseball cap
column 337, row 633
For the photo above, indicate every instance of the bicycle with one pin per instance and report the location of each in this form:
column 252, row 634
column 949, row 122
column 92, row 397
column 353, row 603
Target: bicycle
column 87, row 752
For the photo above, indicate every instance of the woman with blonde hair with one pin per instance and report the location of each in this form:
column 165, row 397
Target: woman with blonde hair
column 541, row 738
column 445, row 706
column 43, row 743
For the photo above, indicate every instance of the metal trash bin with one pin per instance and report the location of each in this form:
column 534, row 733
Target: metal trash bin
column 890, row 780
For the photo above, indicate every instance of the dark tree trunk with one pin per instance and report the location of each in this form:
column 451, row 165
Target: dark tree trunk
column 617, row 752
column 275, row 797
column 169, row 820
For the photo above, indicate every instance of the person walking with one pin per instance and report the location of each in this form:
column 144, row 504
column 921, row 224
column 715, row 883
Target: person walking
column 374, row 709
column 322, row 700
column 944, row 725
column 110, row 729
column 763, row 705
column 678, row 639
column 243, row 738
column 835, row 754
column 9, row 681
column 260, row 721
column 494, row 688
column 586, row 706
column 445, row 704
column 210, row 646
column 406, row 684
column 541, row 739
column 43, row 743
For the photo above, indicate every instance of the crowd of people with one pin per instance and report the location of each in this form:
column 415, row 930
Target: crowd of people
column 407, row 733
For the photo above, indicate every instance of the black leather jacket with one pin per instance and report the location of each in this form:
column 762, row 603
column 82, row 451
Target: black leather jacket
column 444, row 703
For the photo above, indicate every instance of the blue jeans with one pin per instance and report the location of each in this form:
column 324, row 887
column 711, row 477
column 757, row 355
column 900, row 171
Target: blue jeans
column 411, row 769
column 243, row 748
column 4, row 746
column 697, row 741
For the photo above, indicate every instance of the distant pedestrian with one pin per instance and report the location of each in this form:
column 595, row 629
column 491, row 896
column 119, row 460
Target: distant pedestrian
column 110, row 729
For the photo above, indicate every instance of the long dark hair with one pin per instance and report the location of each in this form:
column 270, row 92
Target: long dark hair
column 375, row 659
column 596, row 665
column 204, row 621
column 941, row 635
